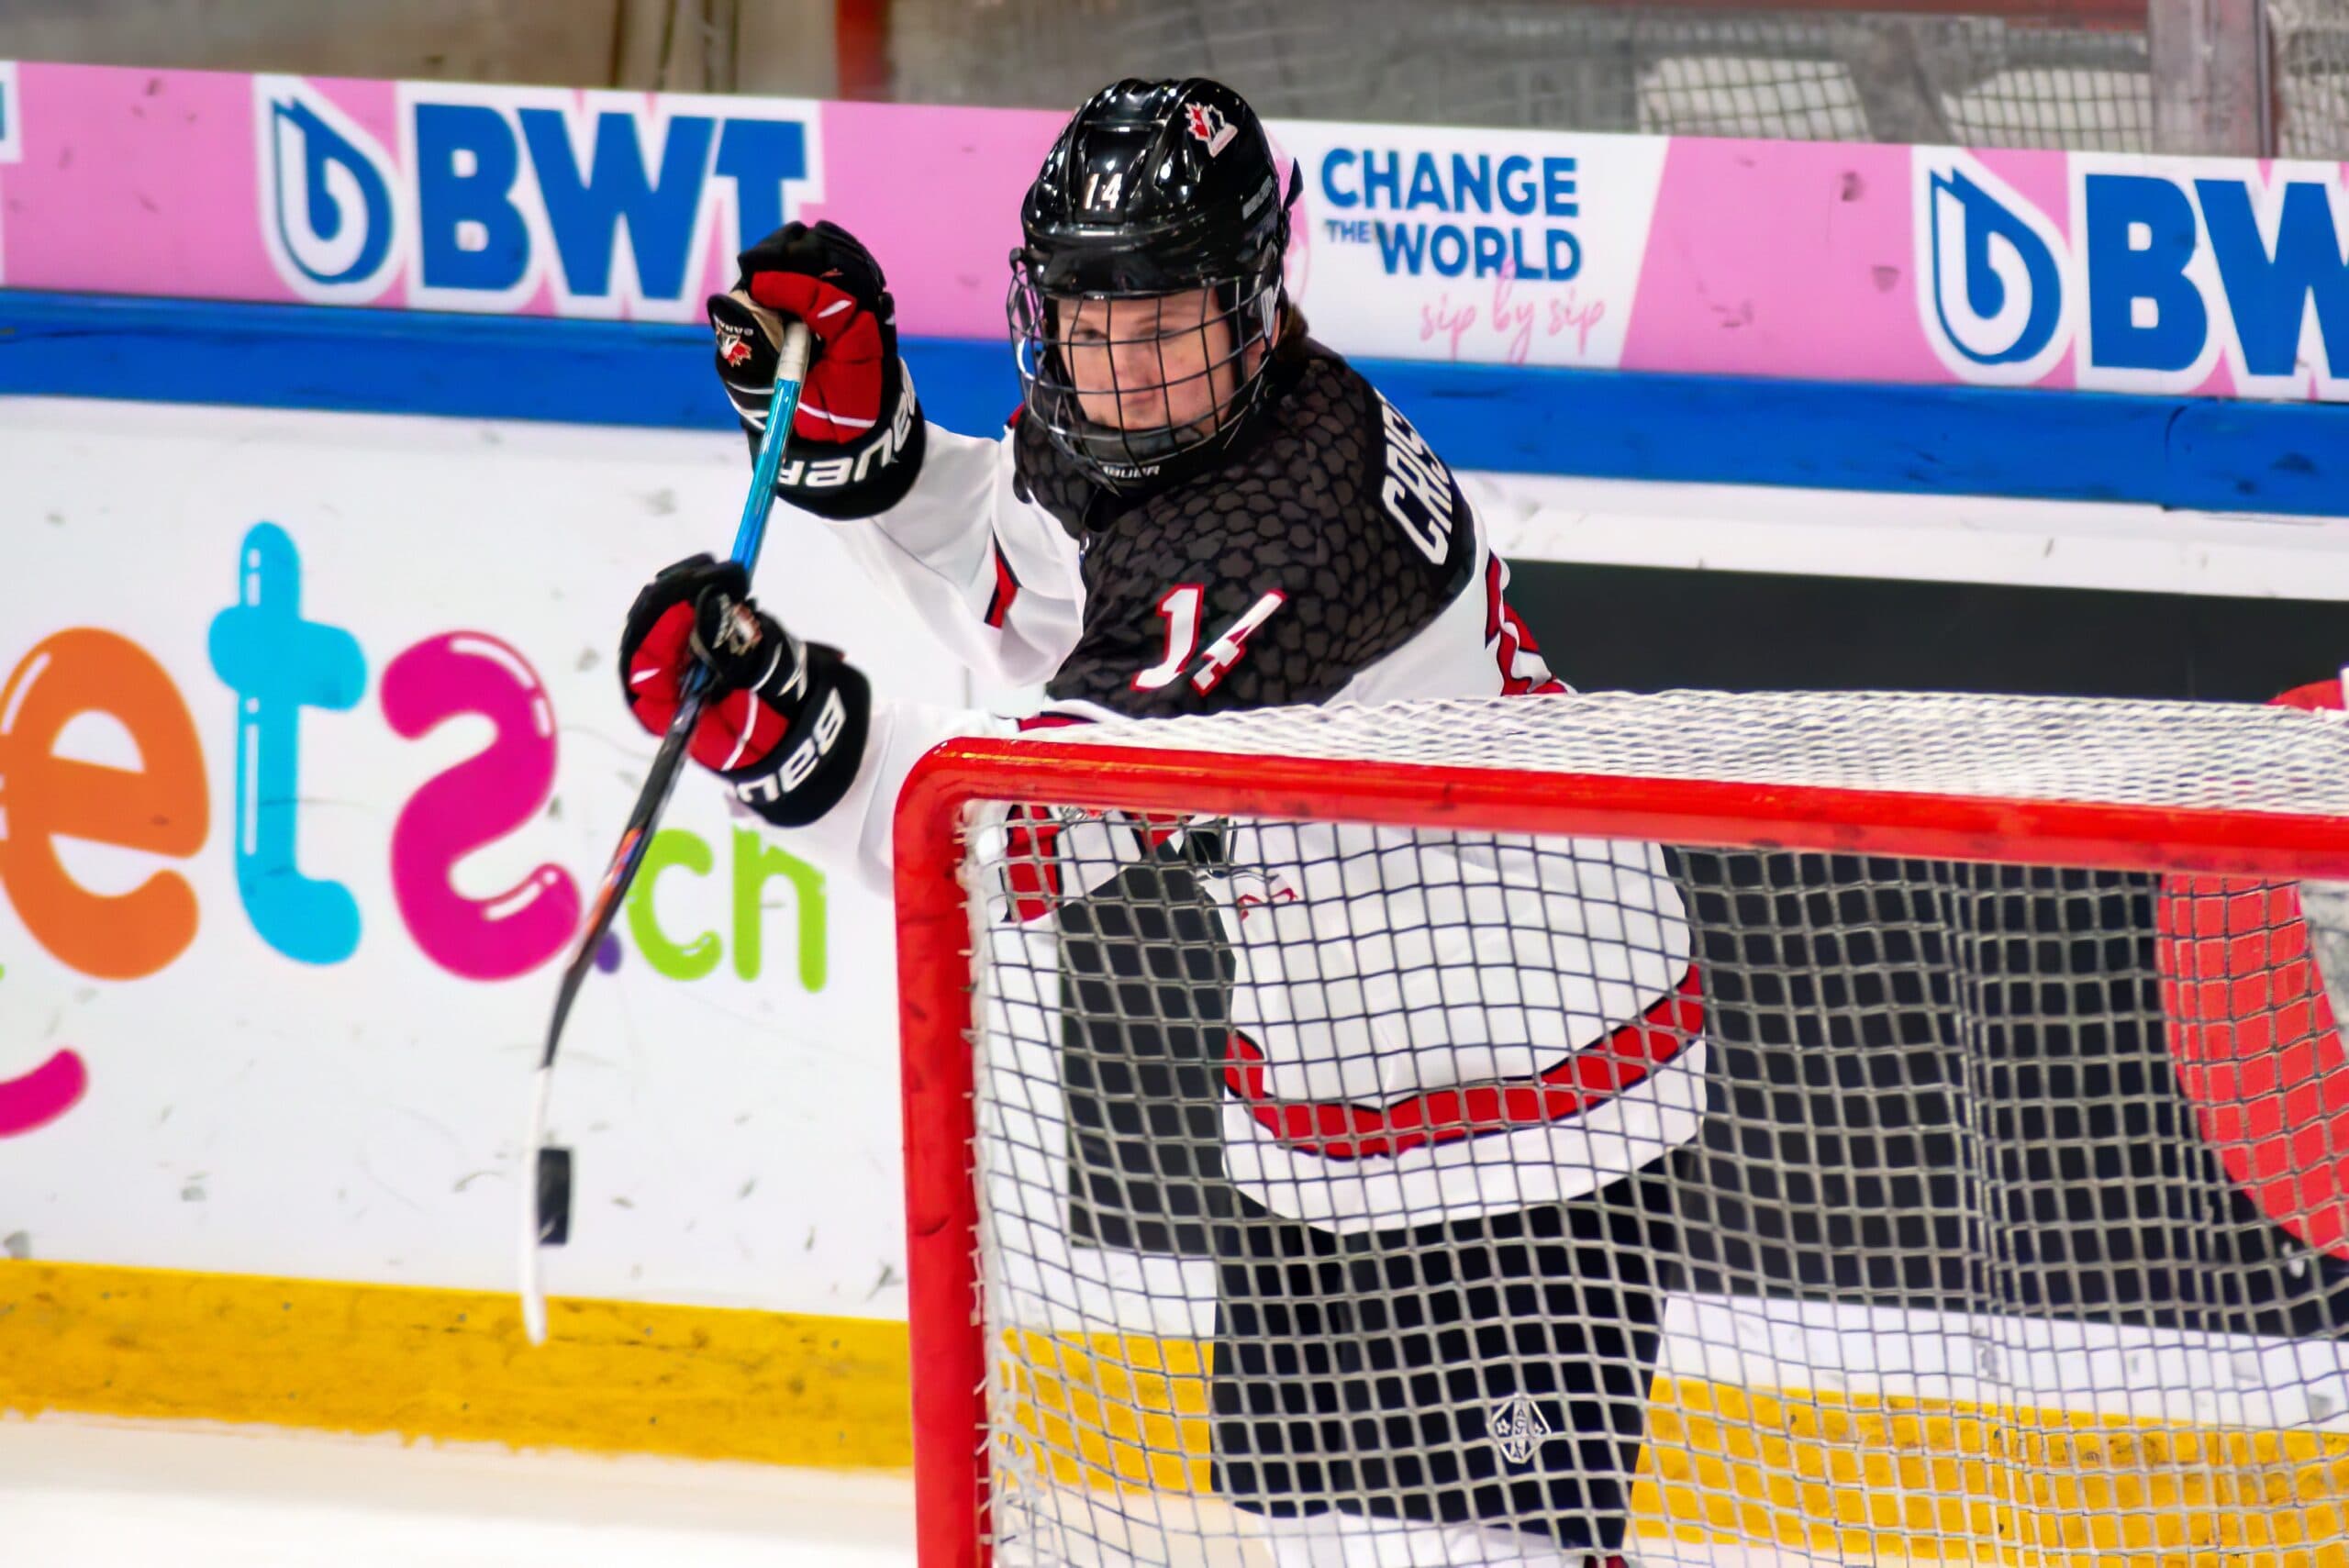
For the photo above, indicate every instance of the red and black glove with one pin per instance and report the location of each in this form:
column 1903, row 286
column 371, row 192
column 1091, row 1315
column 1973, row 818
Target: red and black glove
column 856, row 443
column 785, row 720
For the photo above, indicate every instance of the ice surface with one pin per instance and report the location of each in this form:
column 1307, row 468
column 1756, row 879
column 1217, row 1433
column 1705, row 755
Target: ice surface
column 117, row 1495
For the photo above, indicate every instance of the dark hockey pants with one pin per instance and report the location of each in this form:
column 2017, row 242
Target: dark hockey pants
column 1493, row 1370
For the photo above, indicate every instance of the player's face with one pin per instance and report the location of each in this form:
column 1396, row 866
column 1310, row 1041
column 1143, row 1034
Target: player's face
column 1146, row 365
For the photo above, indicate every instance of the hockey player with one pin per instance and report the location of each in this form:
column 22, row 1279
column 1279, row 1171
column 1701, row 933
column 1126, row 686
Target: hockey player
column 1453, row 1063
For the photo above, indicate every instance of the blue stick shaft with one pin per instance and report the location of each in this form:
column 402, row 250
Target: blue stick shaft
column 790, row 370
column 782, row 403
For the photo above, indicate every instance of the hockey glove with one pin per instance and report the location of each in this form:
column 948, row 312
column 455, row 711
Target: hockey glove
column 786, row 720
column 857, row 442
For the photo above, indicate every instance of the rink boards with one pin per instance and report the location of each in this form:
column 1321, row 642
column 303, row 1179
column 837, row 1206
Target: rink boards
column 1841, row 1433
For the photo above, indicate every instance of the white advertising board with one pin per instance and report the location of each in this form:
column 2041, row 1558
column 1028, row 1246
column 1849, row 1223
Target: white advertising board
column 271, row 1005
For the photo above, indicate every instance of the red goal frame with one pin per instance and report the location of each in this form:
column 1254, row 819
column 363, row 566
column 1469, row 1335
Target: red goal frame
column 934, row 949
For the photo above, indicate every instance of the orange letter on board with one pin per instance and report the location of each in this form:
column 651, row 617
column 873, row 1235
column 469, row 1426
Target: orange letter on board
column 161, row 808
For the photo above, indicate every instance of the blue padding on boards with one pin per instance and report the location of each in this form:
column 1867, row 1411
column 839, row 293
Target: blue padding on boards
column 2260, row 457
column 1744, row 430
column 414, row 361
column 2205, row 454
column 379, row 361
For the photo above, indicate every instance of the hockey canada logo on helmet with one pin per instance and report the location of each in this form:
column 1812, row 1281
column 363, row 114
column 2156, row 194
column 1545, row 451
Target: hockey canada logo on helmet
column 1147, row 298
column 1209, row 126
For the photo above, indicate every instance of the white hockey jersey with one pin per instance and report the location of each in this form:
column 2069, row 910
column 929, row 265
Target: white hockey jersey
column 1423, row 1026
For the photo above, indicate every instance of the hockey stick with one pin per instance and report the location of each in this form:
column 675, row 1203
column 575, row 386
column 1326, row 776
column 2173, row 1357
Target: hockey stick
column 546, row 1190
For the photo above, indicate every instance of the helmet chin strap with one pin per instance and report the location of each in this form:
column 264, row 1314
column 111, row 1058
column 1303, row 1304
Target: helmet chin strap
column 1131, row 461
column 1141, row 449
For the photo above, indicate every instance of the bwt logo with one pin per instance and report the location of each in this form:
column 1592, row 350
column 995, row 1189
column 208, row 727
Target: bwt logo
column 608, row 202
column 2163, row 274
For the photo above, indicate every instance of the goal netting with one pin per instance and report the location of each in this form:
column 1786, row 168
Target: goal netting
column 1699, row 1128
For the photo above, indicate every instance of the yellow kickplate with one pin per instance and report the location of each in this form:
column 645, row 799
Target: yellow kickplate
column 701, row 1383
column 2029, row 1488
column 1865, row 1479
column 1846, row 1477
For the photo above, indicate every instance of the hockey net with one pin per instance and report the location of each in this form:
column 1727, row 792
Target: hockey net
column 1811, row 1129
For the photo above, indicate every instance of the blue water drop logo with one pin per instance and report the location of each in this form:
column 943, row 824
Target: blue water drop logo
column 1994, row 283
column 330, row 200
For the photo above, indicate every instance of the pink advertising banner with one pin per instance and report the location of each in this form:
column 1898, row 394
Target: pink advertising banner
column 1810, row 260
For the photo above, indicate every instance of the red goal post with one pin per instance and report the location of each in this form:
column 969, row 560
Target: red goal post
column 2259, row 796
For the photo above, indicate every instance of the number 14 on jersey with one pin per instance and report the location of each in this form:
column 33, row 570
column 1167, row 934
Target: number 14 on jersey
column 1180, row 611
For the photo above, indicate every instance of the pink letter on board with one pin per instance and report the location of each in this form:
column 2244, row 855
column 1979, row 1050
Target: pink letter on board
column 41, row 1095
column 477, row 802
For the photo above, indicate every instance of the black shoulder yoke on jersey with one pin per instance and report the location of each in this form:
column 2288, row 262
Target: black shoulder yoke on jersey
column 1325, row 543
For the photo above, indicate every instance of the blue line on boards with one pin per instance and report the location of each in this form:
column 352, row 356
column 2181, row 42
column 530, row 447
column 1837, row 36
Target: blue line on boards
column 2193, row 453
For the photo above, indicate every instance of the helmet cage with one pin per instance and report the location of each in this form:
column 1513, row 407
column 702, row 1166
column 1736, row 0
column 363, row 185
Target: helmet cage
column 1109, row 402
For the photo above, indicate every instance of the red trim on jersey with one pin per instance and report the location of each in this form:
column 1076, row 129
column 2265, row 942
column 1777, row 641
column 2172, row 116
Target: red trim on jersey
column 1336, row 1130
column 1032, row 870
column 1510, row 638
column 1007, row 587
column 1036, row 884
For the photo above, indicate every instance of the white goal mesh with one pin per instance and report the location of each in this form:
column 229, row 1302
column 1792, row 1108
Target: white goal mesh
column 1689, row 1128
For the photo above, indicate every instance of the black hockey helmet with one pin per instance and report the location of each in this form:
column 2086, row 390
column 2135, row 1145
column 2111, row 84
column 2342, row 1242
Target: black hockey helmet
column 1154, row 189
